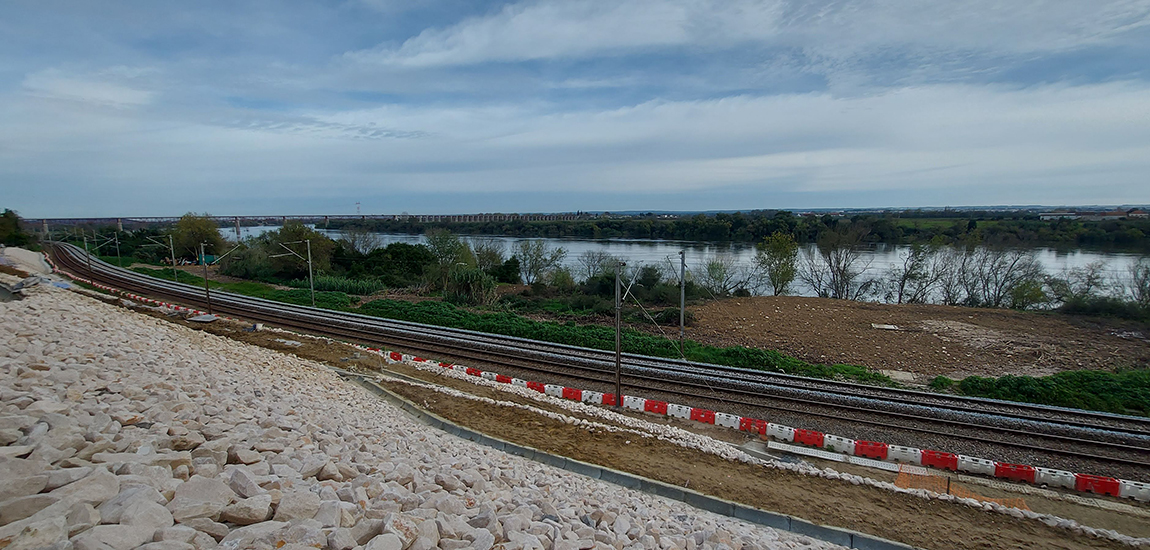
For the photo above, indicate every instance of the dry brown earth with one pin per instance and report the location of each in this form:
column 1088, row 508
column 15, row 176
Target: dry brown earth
column 931, row 340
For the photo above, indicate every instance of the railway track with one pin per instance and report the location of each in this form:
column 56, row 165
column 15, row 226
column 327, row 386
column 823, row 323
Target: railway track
column 1078, row 440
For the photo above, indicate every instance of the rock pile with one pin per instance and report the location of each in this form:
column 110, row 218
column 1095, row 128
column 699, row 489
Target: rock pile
column 121, row 431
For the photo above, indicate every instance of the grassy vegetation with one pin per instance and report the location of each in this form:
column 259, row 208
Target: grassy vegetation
column 127, row 261
column 1123, row 392
column 326, row 299
column 600, row 337
column 358, row 287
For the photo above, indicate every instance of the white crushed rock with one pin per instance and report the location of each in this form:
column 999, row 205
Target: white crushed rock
column 122, row 431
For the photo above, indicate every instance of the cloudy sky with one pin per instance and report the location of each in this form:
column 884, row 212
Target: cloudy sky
column 455, row 106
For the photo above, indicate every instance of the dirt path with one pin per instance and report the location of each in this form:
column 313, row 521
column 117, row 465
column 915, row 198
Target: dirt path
column 931, row 340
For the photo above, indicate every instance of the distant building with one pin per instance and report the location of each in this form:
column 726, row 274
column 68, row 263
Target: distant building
column 1137, row 214
column 1058, row 215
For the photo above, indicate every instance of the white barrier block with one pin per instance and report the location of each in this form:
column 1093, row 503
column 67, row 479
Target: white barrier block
column 518, row 382
column 1055, row 478
column 786, row 433
column 805, row 451
column 726, row 420
column 678, row 411
column 632, row 402
column 487, row 375
column 909, row 455
column 553, row 390
column 593, row 397
column 1135, row 490
column 975, row 465
column 835, row 443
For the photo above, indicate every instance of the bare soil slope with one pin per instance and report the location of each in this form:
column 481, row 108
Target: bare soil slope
column 931, row 340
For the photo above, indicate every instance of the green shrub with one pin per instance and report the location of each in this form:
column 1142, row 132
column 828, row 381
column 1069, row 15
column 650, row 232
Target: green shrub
column 1123, row 392
column 941, row 383
column 360, row 287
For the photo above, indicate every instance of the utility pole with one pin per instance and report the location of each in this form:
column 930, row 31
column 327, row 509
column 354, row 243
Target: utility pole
column 207, row 293
column 119, row 260
column 310, row 278
column 682, row 297
column 618, row 338
column 172, row 249
column 89, row 255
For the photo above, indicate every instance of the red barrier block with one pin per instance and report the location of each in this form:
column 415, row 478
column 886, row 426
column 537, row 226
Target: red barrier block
column 502, row 378
column 869, row 449
column 1017, row 472
column 473, row 371
column 446, row 365
column 609, row 399
column 573, row 394
column 809, row 437
column 939, row 459
column 419, row 359
column 703, row 415
column 657, row 407
column 753, row 425
column 1097, row 484
column 395, row 356
column 537, row 386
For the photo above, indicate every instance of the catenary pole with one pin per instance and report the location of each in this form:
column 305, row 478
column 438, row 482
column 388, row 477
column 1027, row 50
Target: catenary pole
column 618, row 338
column 89, row 255
column 310, row 277
column 207, row 293
column 682, row 297
column 172, row 249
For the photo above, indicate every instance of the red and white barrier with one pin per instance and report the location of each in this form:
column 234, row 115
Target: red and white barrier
column 908, row 455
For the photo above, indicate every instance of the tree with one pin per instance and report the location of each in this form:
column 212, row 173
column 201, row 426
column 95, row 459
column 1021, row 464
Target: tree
column 289, row 266
column 489, row 253
column 1079, row 283
column 360, row 239
column 777, row 259
column 593, row 263
column 1139, row 286
column 536, row 259
column 835, row 267
column 449, row 253
column 193, row 229
column 11, row 231
column 920, row 270
column 722, row 277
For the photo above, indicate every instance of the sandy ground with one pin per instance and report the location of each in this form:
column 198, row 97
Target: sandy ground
column 926, row 524
column 931, row 340
column 24, row 260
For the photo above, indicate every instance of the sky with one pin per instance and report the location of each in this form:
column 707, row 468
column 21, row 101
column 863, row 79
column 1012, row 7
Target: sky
column 156, row 108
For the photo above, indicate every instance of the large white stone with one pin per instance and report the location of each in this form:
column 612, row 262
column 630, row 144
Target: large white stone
column 386, row 541
column 249, row 510
column 19, row 508
column 244, row 537
column 95, row 488
column 200, row 497
column 297, row 505
column 146, row 513
column 41, row 534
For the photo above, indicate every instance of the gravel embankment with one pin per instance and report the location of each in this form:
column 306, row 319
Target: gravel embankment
column 122, row 431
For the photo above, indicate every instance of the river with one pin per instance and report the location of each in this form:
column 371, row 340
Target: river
column 666, row 253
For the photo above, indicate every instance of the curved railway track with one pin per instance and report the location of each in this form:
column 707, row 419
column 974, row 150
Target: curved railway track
column 1115, row 444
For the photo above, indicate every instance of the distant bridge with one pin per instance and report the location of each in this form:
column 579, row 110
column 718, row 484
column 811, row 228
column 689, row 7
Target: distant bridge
column 318, row 219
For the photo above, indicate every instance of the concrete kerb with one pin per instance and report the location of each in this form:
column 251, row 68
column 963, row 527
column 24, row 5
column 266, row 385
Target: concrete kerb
column 835, row 535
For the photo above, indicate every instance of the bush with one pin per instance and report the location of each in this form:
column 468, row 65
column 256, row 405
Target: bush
column 470, row 286
column 941, row 383
column 1123, row 392
column 360, row 287
column 1106, row 307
